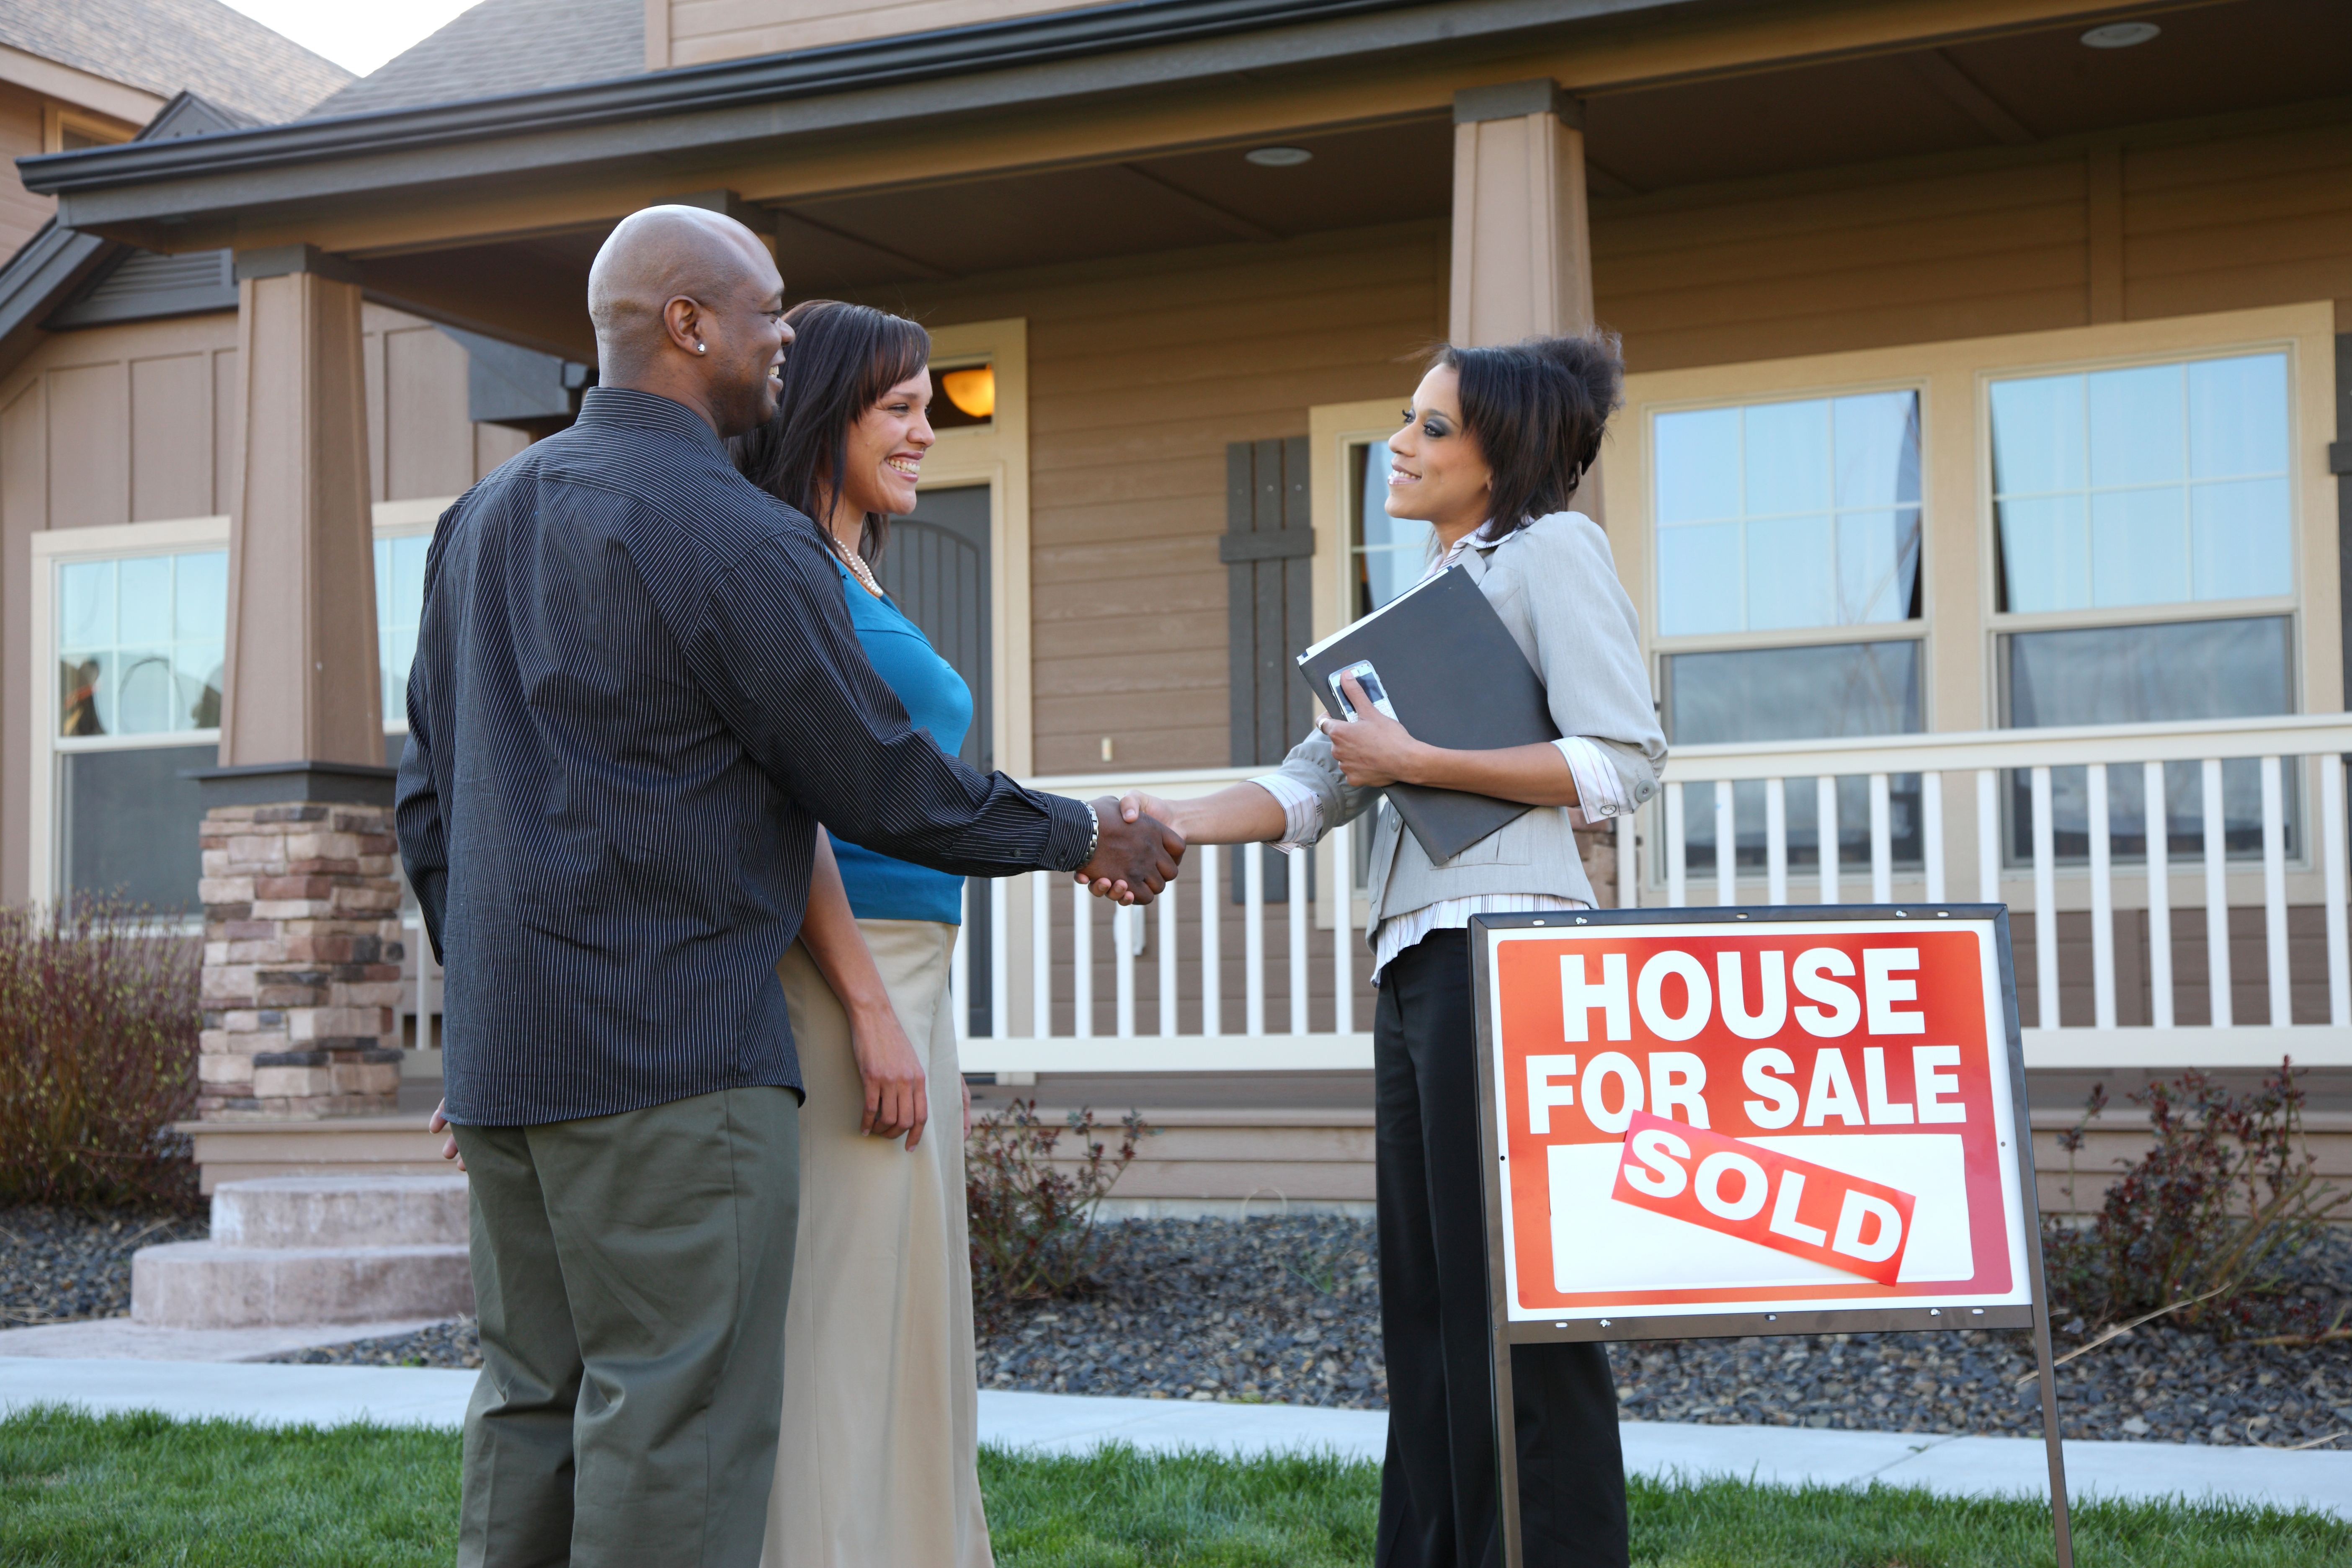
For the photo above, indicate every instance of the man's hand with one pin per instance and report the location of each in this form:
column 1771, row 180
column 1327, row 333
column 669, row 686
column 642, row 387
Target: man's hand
column 897, row 1090
column 1372, row 749
column 440, row 1123
column 1134, row 859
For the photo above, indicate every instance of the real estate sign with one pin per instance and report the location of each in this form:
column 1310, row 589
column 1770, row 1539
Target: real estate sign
column 1775, row 1120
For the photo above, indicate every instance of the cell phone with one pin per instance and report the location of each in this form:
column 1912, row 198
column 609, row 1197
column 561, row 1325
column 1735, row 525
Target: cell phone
column 1370, row 680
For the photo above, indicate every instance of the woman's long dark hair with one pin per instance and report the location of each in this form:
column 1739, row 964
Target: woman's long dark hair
column 1537, row 409
column 842, row 359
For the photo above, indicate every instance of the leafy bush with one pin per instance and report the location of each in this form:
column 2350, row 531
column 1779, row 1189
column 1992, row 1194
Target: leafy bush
column 99, row 1025
column 1033, row 1219
column 2209, row 1220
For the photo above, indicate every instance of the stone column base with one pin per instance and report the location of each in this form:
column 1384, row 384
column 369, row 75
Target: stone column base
column 303, row 963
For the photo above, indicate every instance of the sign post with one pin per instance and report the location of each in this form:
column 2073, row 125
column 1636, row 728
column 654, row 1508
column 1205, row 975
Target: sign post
column 1718, row 1122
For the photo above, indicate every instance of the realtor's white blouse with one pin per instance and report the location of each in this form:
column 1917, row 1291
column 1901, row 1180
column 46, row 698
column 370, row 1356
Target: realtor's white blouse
column 1599, row 792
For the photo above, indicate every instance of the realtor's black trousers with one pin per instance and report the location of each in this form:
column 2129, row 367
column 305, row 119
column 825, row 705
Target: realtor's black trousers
column 1437, row 1488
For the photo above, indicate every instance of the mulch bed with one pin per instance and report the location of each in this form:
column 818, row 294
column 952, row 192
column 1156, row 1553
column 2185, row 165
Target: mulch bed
column 1287, row 1311
column 60, row 1266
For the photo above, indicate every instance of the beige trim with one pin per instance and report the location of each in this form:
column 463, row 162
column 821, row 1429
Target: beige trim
column 119, row 102
column 56, row 120
column 49, row 548
column 393, row 518
column 657, row 35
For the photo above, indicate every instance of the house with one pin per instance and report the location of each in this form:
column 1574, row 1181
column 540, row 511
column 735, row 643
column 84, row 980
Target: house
column 1978, row 482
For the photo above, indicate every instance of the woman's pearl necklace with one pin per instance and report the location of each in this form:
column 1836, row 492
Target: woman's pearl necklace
column 858, row 568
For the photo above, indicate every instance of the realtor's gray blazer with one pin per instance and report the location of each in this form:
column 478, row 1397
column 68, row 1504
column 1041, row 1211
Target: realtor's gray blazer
column 1555, row 586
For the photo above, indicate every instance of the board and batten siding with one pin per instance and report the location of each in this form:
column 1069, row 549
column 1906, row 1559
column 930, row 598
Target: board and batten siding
column 1142, row 373
column 136, row 424
column 694, row 32
column 1986, row 245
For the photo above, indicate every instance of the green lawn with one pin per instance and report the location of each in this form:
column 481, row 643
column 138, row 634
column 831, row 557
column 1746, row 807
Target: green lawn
column 139, row 1490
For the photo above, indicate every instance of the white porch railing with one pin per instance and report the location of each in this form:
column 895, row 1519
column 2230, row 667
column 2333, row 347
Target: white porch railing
column 1205, row 980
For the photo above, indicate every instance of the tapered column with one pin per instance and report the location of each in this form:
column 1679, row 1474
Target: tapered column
column 1522, row 242
column 301, row 885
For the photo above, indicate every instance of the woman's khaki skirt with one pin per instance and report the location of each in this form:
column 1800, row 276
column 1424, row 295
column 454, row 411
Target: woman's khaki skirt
column 878, row 1461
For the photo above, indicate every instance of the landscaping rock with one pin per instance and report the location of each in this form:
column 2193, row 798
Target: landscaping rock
column 60, row 1266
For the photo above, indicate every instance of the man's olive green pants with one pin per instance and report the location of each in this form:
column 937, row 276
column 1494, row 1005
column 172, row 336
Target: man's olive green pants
column 631, row 1273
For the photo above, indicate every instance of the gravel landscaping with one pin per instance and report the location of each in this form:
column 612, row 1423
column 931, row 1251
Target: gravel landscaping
column 1287, row 1311
column 59, row 1267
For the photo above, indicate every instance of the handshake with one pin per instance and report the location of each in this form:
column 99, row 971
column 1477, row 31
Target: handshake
column 1135, row 855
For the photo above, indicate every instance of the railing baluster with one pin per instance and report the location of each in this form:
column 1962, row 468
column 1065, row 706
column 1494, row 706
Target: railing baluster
column 1882, row 842
column 1825, row 819
column 1125, row 921
column 1213, row 958
column 1629, row 861
column 1726, row 846
column 2331, row 842
column 1677, row 883
column 1000, row 960
column 1776, row 841
column 960, row 964
column 1987, row 836
column 1299, row 878
column 2217, row 898
column 2159, row 897
column 1335, row 849
column 1931, row 833
column 1082, row 962
column 1253, row 939
column 1168, row 961
column 2275, row 893
column 2045, row 904
column 1041, row 955
column 2103, row 905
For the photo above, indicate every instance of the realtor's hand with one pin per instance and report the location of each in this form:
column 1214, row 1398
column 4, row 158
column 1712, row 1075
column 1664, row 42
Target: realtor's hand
column 1134, row 859
column 897, row 1090
column 1372, row 749
column 440, row 1123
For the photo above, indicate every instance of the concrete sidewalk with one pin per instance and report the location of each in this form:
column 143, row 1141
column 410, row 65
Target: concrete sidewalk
column 1056, row 1423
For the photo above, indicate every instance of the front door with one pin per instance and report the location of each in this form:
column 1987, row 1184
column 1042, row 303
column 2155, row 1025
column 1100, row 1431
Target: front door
column 935, row 569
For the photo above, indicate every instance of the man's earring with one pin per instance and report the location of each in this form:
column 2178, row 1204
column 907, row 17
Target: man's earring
column 697, row 348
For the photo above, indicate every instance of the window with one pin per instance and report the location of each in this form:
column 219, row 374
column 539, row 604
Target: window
column 1386, row 554
column 2161, row 484
column 1781, row 518
column 138, row 644
column 399, row 607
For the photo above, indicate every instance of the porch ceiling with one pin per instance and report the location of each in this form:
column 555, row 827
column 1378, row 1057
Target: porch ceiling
column 2016, row 91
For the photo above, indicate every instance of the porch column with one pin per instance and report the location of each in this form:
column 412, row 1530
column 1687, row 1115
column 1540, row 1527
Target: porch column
column 1522, row 243
column 301, row 889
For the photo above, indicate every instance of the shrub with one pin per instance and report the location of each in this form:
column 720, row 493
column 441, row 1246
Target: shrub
column 2225, row 1199
column 99, row 1023
column 1033, row 1219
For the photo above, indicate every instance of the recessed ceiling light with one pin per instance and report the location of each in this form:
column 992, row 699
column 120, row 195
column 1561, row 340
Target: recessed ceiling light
column 2120, row 35
column 1277, row 157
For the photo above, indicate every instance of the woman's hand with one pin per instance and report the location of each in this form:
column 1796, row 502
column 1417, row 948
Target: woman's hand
column 897, row 1090
column 1372, row 749
column 965, row 1084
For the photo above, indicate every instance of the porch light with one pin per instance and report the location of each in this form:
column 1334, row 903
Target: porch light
column 972, row 391
column 2120, row 35
column 1277, row 157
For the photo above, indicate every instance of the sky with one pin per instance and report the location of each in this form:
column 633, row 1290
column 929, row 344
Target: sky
column 358, row 38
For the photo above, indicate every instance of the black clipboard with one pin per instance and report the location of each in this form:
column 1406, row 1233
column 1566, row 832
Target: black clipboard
column 1449, row 672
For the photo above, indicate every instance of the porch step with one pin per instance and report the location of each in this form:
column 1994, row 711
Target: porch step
column 291, row 1250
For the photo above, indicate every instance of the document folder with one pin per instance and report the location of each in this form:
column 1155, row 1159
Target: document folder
column 1447, row 671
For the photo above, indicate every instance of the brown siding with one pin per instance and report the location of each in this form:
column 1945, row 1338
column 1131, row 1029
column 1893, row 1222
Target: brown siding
column 138, row 423
column 1140, row 374
column 702, row 30
column 21, row 211
column 1961, row 248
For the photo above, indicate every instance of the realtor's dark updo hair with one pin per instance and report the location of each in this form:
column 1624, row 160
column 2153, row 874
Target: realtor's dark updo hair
column 1537, row 409
column 842, row 359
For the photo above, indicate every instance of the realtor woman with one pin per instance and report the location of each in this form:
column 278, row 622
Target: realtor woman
column 878, row 1458
column 1492, row 452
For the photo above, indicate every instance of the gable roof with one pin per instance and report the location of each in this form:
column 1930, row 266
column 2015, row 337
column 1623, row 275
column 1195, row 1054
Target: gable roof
column 501, row 47
column 167, row 46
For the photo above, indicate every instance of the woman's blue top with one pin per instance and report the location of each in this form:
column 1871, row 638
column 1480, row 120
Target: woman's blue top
column 936, row 699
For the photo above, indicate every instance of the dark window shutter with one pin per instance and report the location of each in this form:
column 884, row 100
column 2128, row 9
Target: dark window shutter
column 1269, row 554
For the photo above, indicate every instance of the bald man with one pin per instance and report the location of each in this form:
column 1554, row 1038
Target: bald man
column 635, row 694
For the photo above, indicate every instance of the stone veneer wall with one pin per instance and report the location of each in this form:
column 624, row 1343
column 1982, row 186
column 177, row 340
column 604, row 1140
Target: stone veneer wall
column 303, row 963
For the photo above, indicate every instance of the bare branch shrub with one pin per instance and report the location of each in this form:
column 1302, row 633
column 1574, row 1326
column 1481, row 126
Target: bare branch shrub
column 1032, row 1220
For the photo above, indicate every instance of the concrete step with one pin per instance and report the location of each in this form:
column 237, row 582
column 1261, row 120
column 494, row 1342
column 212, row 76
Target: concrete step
column 209, row 1285
column 340, row 1211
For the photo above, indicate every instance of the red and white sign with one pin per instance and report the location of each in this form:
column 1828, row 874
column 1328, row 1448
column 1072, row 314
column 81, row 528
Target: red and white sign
column 1715, row 1117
